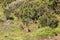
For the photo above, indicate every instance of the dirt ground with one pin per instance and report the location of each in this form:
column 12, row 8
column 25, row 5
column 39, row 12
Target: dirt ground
column 49, row 38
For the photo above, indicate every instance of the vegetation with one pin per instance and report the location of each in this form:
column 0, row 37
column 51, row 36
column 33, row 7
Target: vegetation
column 29, row 18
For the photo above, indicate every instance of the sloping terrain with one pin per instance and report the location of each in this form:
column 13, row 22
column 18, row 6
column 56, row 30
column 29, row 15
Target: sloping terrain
column 28, row 20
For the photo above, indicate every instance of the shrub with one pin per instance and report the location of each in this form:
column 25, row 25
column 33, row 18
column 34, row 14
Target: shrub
column 48, row 20
column 34, row 10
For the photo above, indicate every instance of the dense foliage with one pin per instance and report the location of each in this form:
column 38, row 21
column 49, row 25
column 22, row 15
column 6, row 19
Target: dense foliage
column 40, row 11
column 41, row 18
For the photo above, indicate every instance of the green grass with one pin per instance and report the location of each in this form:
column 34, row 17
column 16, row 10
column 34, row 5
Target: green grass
column 17, row 34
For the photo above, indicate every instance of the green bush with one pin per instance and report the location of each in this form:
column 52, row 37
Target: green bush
column 6, row 2
column 55, row 6
column 34, row 10
column 48, row 20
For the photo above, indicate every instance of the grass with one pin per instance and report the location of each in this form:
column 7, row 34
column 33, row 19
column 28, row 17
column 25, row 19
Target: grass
column 15, row 33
